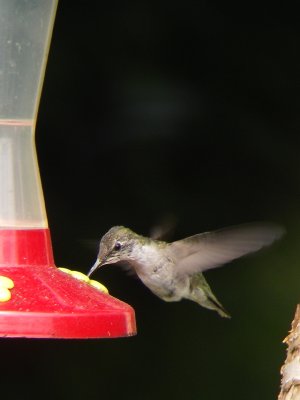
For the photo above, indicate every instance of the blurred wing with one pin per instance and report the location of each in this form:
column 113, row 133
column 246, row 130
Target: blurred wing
column 128, row 269
column 164, row 229
column 212, row 249
column 89, row 244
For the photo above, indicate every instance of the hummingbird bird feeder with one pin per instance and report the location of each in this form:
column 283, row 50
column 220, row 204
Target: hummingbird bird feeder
column 37, row 300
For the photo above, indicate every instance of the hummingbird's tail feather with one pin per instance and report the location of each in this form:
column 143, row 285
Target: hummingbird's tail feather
column 201, row 293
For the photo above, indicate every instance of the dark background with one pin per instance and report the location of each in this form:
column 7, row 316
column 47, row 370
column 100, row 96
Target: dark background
column 154, row 110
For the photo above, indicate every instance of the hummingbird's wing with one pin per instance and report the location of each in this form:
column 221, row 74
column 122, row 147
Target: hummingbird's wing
column 212, row 249
column 164, row 229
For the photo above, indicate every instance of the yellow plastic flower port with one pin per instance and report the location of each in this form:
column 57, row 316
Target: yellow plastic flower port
column 82, row 277
column 5, row 285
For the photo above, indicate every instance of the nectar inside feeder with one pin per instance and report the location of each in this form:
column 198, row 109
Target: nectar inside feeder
column 36, row 298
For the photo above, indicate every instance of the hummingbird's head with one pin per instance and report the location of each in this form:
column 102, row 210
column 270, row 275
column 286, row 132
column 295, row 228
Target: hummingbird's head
column 116, row 245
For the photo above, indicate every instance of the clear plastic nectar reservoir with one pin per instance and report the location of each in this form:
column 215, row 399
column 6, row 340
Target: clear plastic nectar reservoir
column 36, row 299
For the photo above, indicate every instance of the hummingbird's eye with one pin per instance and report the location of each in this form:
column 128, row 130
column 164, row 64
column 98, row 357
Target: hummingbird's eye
column 117, row 246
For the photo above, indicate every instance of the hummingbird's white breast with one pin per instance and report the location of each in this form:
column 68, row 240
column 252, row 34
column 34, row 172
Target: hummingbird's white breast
column 155, row 268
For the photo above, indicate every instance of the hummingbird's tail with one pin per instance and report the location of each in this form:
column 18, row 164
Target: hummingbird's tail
column 201, row 293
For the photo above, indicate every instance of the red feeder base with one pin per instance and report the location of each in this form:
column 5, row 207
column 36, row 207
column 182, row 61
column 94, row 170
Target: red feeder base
column 48, row 303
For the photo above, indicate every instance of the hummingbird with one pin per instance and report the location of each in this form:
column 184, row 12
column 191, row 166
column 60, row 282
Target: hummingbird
column 174, row 271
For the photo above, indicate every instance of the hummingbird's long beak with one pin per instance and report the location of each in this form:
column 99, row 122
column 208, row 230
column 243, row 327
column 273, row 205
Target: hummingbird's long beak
column 97, row 264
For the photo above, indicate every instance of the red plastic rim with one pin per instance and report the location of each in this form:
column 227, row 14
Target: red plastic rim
column 48, row 303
